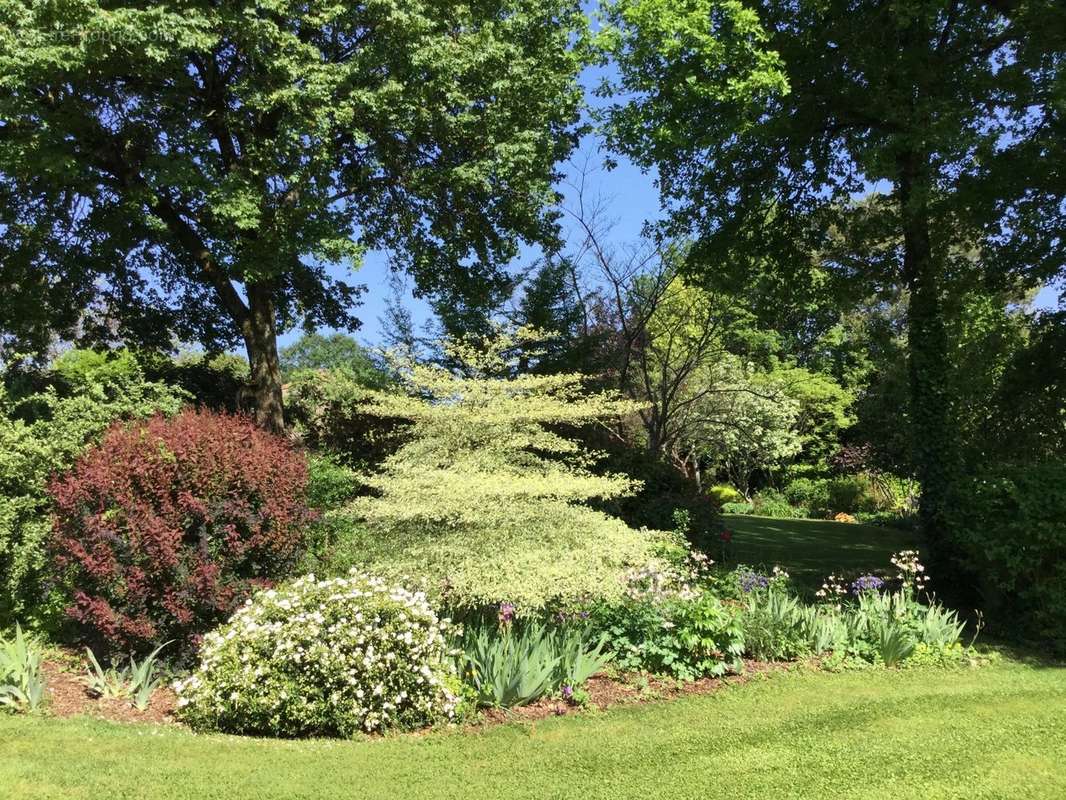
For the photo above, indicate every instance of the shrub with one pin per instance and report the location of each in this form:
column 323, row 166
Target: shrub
column 42, row 432
column 811, row 493
column 771, row 503
column 851, row 493
column 81, row 369
column 659, row 489
column 329, row 410
column 670, row 623
column 724, row 493
column 737, row 508
column 687, row 637
column 218, row 383
column 330, row 483
column 889, row 519
column 165, row 526
column 576, row 555
column 1007, row 526
column 324, row 658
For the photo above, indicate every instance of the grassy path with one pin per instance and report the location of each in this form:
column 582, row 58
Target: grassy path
column 811, row 549
column 997, row 732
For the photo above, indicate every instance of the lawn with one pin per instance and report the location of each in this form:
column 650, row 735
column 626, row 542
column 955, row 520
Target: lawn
column 811, row 549
column 995, row 732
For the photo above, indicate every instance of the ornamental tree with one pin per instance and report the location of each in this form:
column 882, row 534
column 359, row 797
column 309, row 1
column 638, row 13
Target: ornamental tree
column 192, row 169
column 766, row 120
column 488, row 499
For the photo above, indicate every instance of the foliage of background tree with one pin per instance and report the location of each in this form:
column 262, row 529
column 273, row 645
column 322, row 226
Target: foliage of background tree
column 764, row 123
column 337, row 350
column 1005, row 374
column 1031, row 395
column 194, row 169
column 488, row 499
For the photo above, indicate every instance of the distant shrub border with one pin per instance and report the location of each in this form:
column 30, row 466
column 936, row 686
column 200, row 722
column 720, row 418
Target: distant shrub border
column 1020, row 562
column 165, row 526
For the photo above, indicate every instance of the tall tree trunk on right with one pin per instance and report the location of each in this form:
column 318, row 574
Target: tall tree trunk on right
column 931, row 407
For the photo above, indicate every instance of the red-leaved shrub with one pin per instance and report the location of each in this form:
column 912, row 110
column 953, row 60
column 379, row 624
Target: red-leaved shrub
column 165, row 526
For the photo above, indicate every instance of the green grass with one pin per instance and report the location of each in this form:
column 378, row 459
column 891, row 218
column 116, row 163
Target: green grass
column 811, row 549
column 996, row 732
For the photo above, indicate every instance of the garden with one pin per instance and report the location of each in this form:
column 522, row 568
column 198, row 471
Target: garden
column 755, row 489
column 192, row 575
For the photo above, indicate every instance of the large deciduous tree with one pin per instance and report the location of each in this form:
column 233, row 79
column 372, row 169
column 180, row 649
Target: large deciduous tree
column 191, row 169
column 766, row 120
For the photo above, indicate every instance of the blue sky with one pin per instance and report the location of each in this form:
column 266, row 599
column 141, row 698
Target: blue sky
column 633, row 200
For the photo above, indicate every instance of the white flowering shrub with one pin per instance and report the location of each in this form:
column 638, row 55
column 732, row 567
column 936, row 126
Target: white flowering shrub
column 324, row 658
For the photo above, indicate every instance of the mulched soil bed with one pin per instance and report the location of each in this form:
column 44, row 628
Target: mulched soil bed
column 607, row 691
column 68, row 695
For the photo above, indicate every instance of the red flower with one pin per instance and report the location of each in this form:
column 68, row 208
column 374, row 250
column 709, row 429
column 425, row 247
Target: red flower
column 726, row 536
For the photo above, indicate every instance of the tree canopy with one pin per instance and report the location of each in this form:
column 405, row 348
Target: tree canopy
column 766, row 121
column 193, row 170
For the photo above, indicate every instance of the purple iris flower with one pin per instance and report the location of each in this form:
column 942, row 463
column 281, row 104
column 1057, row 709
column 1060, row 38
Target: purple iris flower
column 506, row 613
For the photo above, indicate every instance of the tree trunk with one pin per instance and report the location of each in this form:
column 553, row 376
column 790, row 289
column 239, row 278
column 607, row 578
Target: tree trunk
column 927, row 350
column 260, row 340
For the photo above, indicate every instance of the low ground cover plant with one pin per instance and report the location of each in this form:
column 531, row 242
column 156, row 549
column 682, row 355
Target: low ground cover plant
column 165, row 526
column 671, row 622
column 135, row 681
column 862, row 621
column 331, row 657
column 512, row 663
column 21, row 680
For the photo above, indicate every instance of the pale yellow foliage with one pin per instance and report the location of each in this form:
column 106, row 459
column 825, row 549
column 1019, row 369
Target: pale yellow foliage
column 486, row 498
